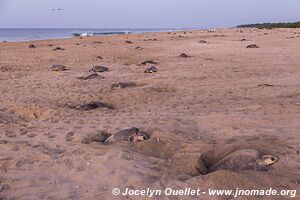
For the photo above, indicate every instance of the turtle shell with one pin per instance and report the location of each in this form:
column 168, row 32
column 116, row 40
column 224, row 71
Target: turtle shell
column 244, row 159
column 99, row 69
column 125, row 134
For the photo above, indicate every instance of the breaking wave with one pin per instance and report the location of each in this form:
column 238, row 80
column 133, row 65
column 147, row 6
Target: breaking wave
column 102, row 33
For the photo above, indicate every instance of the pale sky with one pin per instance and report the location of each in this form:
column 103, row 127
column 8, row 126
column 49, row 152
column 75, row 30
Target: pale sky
column 144, row 13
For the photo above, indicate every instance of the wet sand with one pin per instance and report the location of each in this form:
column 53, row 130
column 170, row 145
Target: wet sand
column 222, row 98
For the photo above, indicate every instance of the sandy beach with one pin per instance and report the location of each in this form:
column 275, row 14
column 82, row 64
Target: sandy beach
column 220, row 98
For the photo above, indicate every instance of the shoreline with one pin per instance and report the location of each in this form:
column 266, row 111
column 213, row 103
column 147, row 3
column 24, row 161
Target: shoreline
column 80, row 33
column 71, row 35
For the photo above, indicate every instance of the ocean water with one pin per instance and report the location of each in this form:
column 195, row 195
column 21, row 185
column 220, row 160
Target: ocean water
column 16, row 35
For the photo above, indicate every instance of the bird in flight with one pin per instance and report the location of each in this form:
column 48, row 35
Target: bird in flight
column 59, row 9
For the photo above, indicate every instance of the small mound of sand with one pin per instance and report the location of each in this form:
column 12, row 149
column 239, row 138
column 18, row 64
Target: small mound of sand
column 30, row 112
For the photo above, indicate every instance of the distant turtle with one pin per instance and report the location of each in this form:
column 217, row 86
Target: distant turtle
column 99, row 69
column 131, row 135
column 94, row 105
column 56, row 68
column 123, row 85
column 149, row 62
column 183, row 55
column 58, row 49
column 245, row 159
column 32, row 46
column 151, row 69
column 252, row 46
column 92, row 76
column 202, row 41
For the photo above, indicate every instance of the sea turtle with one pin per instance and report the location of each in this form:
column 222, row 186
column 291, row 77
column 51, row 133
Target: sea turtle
column 94, row 105
column 252, row 46
column 92, row 76
column 123, row 85
column 245, row 159
column 131, row 135
column 56, row 68
column 183, row 55
column 98, row 69
column 151, row 69
column 58, row 49
column 149, row 62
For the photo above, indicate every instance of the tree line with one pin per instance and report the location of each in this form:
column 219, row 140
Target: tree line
column 271, row 25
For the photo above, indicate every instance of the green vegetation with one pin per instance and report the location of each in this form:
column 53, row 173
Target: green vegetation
column 271, row 25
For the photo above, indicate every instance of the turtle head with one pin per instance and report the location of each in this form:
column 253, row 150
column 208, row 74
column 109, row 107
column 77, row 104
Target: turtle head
column 145, row 135
column 139, row 136
column 136, row 138
column 269, row 159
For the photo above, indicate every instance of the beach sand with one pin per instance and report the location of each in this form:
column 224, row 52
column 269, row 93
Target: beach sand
column 222, row 98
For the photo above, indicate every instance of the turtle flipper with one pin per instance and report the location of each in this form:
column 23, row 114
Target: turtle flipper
column 259, row 166
column 110, row 140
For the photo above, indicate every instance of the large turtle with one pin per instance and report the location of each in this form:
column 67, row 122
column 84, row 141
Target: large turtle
column 131, row 135
column 245, row 159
